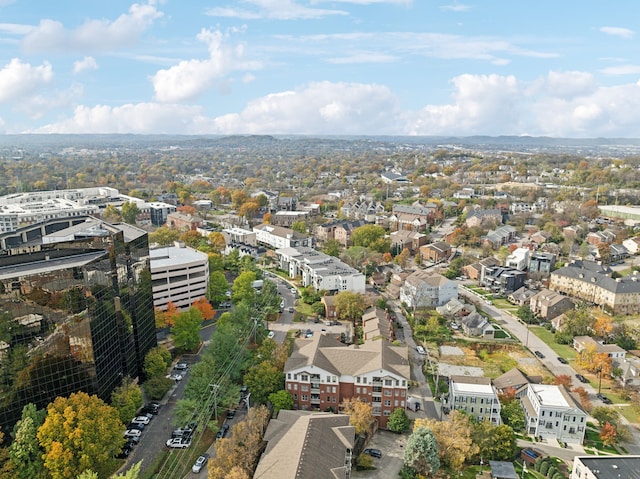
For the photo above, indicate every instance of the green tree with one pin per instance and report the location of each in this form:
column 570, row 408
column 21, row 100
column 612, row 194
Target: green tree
column 112, row 214
column 132, row 473
column 281, row 400
column 130, row 212
column 367, row 235
column 263, row 379
column 299, row 226
column 496, row 443
column 512, row 414
column 156, row 387
column 80, row 432
column 156, row 362
column 421, row 452
column 186, row 330
column 349, row 305
column 525, row 314
column 164, row 236
column 217, row 288
column 232, row 260
column 24, row 451
column 242, row 289
column 399, row 421
column 332, row 248
column 127, row 399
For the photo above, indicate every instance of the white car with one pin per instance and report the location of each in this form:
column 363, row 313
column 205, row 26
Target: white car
column 175, row 377
column 178, row 443
column 141, row 420
column 132, row 433
column 271, row 334
column 420, row 350
column 200, row 463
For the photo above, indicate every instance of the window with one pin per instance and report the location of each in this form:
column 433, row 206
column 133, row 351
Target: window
column 403, row 393
column 333, row 399
column 397, row 393
column 558, row 414
column 364, row 380
column 288, row 375
column 376, row 399
column 334, row 389
column 387, row 412
column 388, row 392
column 387, row 402
column 304, row 387
column 358, row 379
column 357, row 390
column 388, row 382
column 288, row 385
column 305, row 397
column 395, row 403
column 295, row 387
column 404, row 382
column 304, row 377
column 295, row 397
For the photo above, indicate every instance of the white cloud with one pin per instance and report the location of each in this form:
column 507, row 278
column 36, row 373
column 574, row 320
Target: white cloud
column 456, row 7
column 36, row 106
column 273, row 9
column 618, row 32
column 190, row 78
column 15, row 28
column 566, row 85
column 319, row 108
column 87, row 63
column 622, row 70
column 93, row 35
column 138, row 118
column 363, row 57
column 18, row 79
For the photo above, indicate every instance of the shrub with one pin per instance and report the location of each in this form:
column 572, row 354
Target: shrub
column 365, row 461
column 544, row 467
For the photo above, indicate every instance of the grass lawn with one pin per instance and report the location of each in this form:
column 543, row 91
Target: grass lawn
column 505, row 305
column 629, row 413
column 563, row 350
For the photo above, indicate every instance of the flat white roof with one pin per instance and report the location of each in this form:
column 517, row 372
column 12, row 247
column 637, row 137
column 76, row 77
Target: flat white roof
column 172, row 256
column 550, row 395
column 468, row 388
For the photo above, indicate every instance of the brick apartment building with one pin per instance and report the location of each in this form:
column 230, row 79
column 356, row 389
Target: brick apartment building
column 322, row 372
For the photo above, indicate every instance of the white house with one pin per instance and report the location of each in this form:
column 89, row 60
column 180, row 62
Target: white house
column 279, row 237
column 427, row 289
column 518, row 259
column 475, row 396
column 552, row 412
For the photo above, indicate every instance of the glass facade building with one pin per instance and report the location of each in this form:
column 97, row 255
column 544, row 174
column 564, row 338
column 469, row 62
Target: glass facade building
column 76, row 312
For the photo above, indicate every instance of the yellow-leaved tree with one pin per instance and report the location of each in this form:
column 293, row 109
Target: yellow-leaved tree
column 80, row 432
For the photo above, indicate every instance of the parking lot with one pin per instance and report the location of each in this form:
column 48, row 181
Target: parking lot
column 392, row 447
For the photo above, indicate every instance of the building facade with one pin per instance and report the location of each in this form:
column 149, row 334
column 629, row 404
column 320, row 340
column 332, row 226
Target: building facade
column 278, row 237
column 424, row 289
column 77, row 314
column 475, row 396
column 180, row 275
column 322, row 372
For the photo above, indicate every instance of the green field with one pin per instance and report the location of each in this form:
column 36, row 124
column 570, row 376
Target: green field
column 563, row 350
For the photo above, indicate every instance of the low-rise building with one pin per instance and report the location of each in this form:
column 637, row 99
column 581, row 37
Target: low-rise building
column 518, row 259
column 547, row 304
column 500, row 236
column 377, row 323
column 436, row 252
column 179, row 275
column 307, row 445
column 551, row 411
column 278, row 237
column 606, row 467
column 502, row 280
column 580, row 343
column 475, row 396
column 474, row 271
column 476, row 325
column 407, row 239
column 181, row 221
column 159, row 212
column 427, row 289
column 542, row 262
column 322, row 372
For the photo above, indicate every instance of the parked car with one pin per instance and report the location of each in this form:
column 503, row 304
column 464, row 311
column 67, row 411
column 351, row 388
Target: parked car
column 231, row 413
column 181, row 367
column 175, row 377
column 132, row 433
column 126, row 450
column 420, row 350
column 244, row 390
column 271, row 334
column 135, row 425
column 178, row 443
column 140, row 420
column 223, row 431
column 291, row 310
column 562, row 360
column 151, row 408
column 200, row 463
column 182, row 432
column 581, row 378
column 604, row 398
column 373, row 452
column 539, row 354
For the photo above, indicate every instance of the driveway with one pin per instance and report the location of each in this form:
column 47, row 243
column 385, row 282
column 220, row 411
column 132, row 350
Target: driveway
column 392, row 447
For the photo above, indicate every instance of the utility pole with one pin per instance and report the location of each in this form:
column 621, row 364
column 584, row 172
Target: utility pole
column 214, row 391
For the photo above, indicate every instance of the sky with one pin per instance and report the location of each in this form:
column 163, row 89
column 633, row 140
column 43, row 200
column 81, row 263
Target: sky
column 562, row 68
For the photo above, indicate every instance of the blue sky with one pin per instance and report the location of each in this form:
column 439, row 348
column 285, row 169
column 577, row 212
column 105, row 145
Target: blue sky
column 562, row 68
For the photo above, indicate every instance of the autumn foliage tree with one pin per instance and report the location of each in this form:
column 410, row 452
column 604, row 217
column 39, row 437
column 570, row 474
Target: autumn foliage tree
column 608, row 434
column 360, row 415
column 562, row 379
column 80, row 432
column 204, row 307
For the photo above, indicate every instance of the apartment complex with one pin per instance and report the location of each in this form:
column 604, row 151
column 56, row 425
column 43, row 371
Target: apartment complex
column 180, row 275
column 426, row 289
column 320, row 270
column 278, row 237
column 79, row 310
column 475, row 396
column 322, row 372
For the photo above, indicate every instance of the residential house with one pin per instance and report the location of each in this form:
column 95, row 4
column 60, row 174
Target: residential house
column 377, row 323
column 239, row 236
column 615, row 352
column 500, row 236
column 547, row 304
column 474, row 396
column 552, row 412
column 327, row 231
column 436, row 252
column 617, row 252
column 287, row 218
column 363, row 210
column 542, row 262
column 629, row 372
column 393, row 177
column 572, row 232
column 329, row 302
column 518, row 259
column 515, row 380
column 502, row 280
column 427, row 289
column 307, row 445
column 322, row 372
column 287, row 203
column 606, row 467
column 592, row 282
column 480, row 217
column 464, row 193
column 596, row 238
column 474, row 271
column 540, row 237
column 455, row 309
column 414, row 217
column 272, row 198
column 344, row 231
column 180, row 221
column 521, row 297
column 476, row 325
column 407, row 239
column 632, row 244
